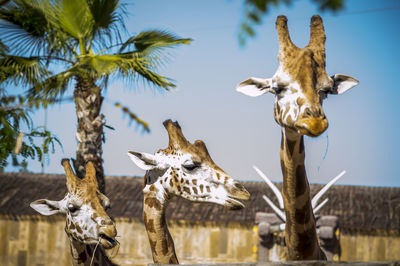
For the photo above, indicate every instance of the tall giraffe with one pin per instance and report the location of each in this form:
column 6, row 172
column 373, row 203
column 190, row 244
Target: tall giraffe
column 185, row 170
column 300, row 85
column 87, row 222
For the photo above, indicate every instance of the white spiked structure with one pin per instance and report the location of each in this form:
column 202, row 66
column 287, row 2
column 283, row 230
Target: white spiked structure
column 316, row 198
column 279, row 211
column 271, row 185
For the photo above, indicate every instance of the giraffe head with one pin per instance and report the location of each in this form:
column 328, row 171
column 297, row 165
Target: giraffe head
column 187, row 170
column 84, row 208
column 301, row 83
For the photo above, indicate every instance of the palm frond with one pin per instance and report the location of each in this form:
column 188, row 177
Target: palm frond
column 53, row 87
column 27, row 15
column 108, row 17
column 135, row 65
column 74, row 18
column 154, row 39
column 3, row 49
column 133, row 117
column 130, row 66
column 23, row 26
column 20, row 69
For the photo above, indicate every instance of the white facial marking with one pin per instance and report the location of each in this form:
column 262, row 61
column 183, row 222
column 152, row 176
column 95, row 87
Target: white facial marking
column 288, row 99
column 282, row 76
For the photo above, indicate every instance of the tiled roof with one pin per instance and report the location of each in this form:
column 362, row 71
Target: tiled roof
column 358, row 207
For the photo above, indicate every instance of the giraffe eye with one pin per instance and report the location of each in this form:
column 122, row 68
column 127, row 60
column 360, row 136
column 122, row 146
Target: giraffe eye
column 72, row 208
column 191, row 167
column 279, row 89
column 323, row 93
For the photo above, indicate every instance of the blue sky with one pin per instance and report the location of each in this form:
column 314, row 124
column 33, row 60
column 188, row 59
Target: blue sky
column 239, row 131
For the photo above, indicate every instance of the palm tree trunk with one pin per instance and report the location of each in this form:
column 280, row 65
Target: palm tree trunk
column 89, row 134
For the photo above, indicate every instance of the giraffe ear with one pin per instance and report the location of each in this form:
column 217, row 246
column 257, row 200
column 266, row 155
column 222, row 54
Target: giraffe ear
column 255, row 86
column 46, row 207
column 104, row 200
column 342, row 83
column 145, row 161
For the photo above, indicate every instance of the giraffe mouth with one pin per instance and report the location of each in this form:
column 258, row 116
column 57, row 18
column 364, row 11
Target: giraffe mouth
column 306, row 131
column 234, row 204
column 312, row 126
column 107, row 242
column 310, row 131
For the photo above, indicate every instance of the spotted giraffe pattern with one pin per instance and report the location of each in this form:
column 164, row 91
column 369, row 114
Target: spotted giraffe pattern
column 87, row 222
column 185, row 170
column 300, row 85
column 300, row 230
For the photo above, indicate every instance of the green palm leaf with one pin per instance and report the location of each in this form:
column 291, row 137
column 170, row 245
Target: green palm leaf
column 23, row 26
column 74, row 17
column 26, row 28
column 20, row 69
column 108, row 20
column 154, row 39
column 130, row 66
column 27, row 15
column 3, row 49
column 53, row 87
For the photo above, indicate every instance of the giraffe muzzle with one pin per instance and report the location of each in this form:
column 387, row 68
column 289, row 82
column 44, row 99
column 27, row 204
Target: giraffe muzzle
column 107, row 236
column 236, row 193
column 312, row 126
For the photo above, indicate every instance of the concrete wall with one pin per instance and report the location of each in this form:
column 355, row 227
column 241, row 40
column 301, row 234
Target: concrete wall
column 33, row 242
column 42, row 241
column 362, row 246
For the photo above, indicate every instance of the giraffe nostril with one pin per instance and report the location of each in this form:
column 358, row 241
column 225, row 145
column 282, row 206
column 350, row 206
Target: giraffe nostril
column 308, row 112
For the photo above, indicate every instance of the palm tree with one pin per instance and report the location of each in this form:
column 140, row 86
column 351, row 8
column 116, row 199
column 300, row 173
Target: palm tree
column 82, row 38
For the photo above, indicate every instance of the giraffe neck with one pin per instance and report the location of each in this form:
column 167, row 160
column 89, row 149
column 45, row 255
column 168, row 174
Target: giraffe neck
column 300, row 231
column 82, row 254
column 161, row 243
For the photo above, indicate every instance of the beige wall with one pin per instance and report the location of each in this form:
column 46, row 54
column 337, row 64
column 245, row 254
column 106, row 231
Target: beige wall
column 41, row 240
column 194, row 242
column 33, row 242
column 379, row 246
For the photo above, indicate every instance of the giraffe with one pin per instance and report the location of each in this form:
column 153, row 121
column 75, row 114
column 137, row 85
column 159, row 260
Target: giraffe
column 186, row 170
column 300, row 85
column 87, row 223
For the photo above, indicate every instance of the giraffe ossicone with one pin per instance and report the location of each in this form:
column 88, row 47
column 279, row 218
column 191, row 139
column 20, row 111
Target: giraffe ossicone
column 300, row 85
column 87, row 223
column 186, row 170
